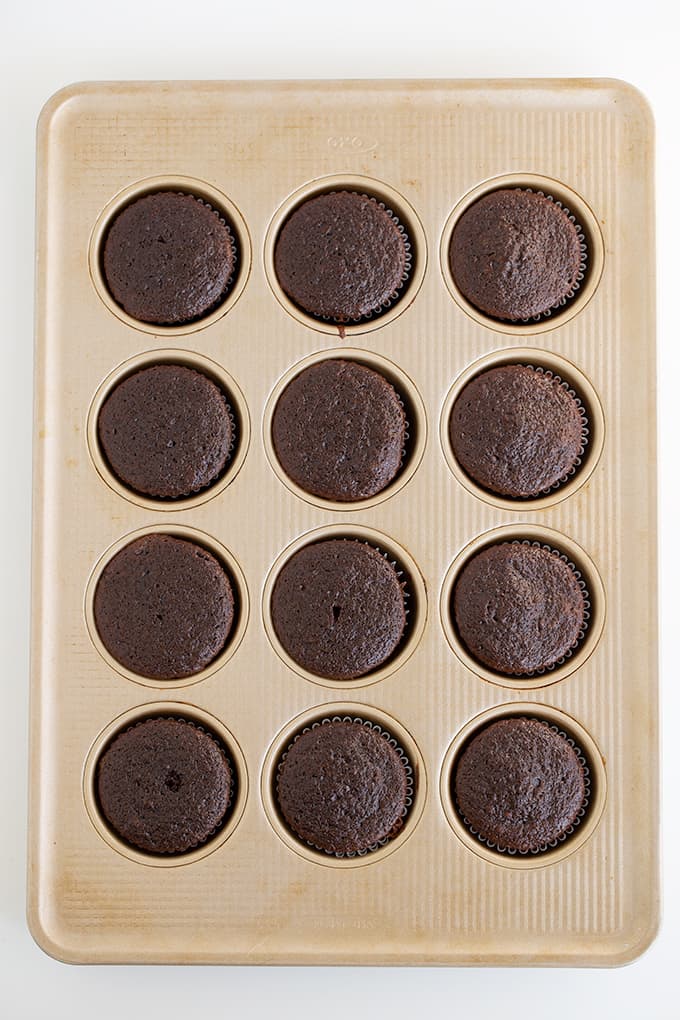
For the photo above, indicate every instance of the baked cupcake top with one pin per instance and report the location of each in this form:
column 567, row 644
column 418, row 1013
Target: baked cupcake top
column 519, row 784
column 166, row 431
column 168, row 258
column 518, row 608
column 339, row 430
column 516, row 431
column 341, row 256
column 338, row 608
column 342, row 787
column 164, row 785
column 515, row 254
column 163, row 607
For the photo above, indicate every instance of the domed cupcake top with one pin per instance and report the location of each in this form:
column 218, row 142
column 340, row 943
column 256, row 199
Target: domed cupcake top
column 515, row 254
column 337, row 608
column 164, row 607
column 341, row 256
column 168, row 258
column 339, row 430
column 519, row 784
column 164, row 785
column 166, row 431
column 519, row 608
column 342, row 787
column 516, row 430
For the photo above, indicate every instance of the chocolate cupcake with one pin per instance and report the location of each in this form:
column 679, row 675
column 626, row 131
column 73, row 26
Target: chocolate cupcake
column 168, row 258
column 164, row 607
column 338, row 608
column 339, row 431
column 341, row 256
column 519, row 608
column 519, row 785
column 515, row 254
column 517, row 431
column 164, row 785
column 343, row 787
column 166, row 431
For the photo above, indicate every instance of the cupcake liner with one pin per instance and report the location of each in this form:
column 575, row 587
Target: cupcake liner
column 586, row 608
column 406, row 275
column 406, row 593
column 234, row 435
column 406, row 446
column 408, row 768
column 568, row 832
column 583, row 268
column 233, row 786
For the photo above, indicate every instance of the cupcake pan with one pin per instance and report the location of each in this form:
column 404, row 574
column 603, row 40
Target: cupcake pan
column 254, row 893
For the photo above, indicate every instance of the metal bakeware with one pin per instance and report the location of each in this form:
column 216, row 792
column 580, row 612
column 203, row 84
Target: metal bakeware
column 434, row 894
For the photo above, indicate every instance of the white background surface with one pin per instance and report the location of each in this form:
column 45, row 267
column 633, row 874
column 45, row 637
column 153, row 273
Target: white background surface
column 46, row 45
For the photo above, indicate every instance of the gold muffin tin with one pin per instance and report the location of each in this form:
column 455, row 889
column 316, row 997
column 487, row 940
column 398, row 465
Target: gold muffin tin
column 434, row 894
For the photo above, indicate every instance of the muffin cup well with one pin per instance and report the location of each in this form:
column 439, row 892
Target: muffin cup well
column 568, row 832
column 232, row 241
column 415, row 601
column 386, row 735
column 238, row 413
column 586, row 608
column 387, row 726
column 213, row 199
column 575, row 382
column 239, row 589
column 229, row 747
column 595, row 779
column 227, row 762
column 409, row 398
column 585, row 433
column 590, row 239
column 589, row 582
column 401, row 212
column 580, row 276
